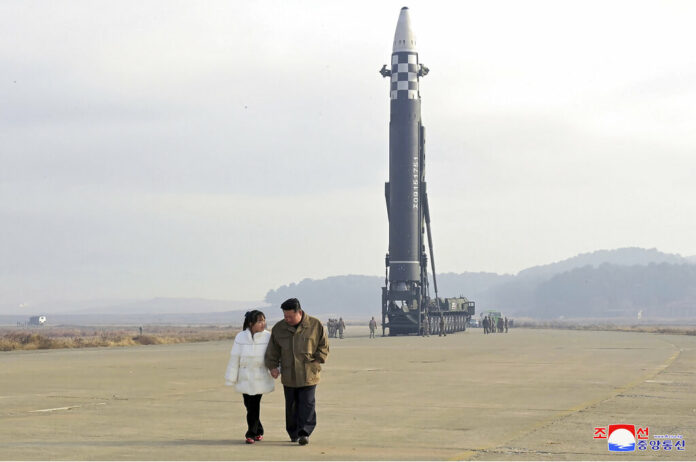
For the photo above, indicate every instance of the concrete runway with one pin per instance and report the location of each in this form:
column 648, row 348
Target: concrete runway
column 529, row 394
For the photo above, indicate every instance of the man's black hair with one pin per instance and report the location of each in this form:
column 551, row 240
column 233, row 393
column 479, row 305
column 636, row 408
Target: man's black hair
column 291, row 304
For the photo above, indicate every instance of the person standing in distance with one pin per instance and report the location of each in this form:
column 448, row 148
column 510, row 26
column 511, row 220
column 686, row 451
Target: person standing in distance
column 297, row 348
column 373, row 327
column 247, row 372
column 341, row 327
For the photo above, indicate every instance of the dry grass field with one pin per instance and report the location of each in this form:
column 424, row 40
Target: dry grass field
column 687, row 328
column 47, row 338
column 83, row 337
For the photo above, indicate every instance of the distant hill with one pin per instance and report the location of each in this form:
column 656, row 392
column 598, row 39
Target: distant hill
column 519, row 296
column 546, row 291
column 627, row 256
column 348, row 296
column 659, row 290
column 617, row 282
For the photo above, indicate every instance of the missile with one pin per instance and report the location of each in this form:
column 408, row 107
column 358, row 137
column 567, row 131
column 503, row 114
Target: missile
column 407, row 307
column 404, row 297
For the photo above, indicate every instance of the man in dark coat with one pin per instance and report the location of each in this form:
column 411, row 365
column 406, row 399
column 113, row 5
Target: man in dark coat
column 296, row 350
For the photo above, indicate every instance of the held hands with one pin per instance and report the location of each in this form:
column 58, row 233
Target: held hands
column 276, row 372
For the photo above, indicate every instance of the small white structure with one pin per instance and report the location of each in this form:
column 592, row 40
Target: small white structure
column 37, row 320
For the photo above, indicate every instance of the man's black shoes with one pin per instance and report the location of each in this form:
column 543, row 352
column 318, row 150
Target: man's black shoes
column 303, row 440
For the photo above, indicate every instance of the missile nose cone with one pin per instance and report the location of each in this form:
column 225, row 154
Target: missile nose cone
column 404, row 38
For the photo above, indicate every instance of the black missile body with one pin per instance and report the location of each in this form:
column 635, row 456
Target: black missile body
column 406, row 304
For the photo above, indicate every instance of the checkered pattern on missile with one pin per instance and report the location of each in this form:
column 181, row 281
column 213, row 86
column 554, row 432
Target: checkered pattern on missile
column 404, row 78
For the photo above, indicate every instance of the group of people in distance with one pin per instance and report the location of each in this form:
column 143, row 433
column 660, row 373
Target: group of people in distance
column 293, row 350
column 491, row 325
column 336, row 327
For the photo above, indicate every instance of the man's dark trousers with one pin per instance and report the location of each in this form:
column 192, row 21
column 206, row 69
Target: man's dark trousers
column 253, row 407
column 300, row 415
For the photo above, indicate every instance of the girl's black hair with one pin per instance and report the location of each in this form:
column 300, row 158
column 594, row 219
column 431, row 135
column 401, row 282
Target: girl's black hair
column 252, row 317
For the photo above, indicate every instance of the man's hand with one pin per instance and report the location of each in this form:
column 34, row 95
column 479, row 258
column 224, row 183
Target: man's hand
column 275, row 373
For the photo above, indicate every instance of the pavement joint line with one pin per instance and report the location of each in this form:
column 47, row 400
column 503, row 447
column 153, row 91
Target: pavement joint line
column 66, row 408
column 587, row 404
column 57, row 409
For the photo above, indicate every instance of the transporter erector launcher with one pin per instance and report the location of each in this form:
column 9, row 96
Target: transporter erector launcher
column 406, row 304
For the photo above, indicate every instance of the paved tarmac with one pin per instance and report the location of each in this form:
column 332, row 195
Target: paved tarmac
column 528, row 394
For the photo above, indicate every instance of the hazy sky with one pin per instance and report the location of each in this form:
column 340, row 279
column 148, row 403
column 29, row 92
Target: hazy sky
column 221, row 149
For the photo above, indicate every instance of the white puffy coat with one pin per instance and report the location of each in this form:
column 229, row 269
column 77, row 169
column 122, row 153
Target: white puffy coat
column 246, row 369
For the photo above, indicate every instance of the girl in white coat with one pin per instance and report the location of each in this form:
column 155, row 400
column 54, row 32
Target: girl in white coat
column 247, row 371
